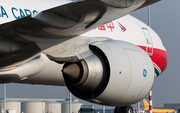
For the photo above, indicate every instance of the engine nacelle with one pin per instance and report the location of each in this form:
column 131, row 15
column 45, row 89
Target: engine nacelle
column 113, row 73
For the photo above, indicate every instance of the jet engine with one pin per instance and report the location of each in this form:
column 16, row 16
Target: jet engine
column 113, row 73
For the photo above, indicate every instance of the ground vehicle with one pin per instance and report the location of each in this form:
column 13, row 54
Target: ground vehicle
column 87, row 109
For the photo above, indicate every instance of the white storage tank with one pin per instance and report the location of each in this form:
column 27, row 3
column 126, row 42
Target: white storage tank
column 75, row 107
column 33, row 107
column 53, row 107
column 11, row 107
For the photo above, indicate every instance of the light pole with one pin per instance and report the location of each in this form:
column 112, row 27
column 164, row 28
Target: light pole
column 104, row 109
column 150, row 93
column 4, row 98
column 149, row 16
column 70, row 103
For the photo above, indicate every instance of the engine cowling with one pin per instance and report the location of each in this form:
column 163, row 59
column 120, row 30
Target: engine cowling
column 113, row 73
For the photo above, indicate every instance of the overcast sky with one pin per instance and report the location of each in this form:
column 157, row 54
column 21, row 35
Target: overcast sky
column 165, row 20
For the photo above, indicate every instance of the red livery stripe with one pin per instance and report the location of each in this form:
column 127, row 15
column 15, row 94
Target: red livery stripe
column 159, row 57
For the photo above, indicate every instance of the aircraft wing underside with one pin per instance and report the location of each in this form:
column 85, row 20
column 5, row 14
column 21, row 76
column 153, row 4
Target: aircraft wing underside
column 75, row 19
column 34, row 33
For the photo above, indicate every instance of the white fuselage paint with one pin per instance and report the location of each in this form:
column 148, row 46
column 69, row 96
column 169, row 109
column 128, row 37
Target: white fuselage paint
column 133, row 33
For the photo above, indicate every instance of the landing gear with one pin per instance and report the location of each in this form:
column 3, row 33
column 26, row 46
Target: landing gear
column 126, row 109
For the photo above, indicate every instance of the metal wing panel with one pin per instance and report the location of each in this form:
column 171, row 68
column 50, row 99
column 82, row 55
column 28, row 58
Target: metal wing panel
column 87, row 15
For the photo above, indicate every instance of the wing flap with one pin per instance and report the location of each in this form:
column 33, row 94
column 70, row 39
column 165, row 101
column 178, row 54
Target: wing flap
column 54, row 20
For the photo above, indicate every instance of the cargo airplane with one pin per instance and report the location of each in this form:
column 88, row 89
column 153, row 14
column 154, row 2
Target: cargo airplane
column 146, row 105
column 88, row 46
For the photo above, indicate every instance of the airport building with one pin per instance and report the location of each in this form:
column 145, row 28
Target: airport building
column 172, row 106
column 19, row 105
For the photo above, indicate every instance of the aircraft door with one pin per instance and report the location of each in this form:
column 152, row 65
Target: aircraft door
column 148, row 41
